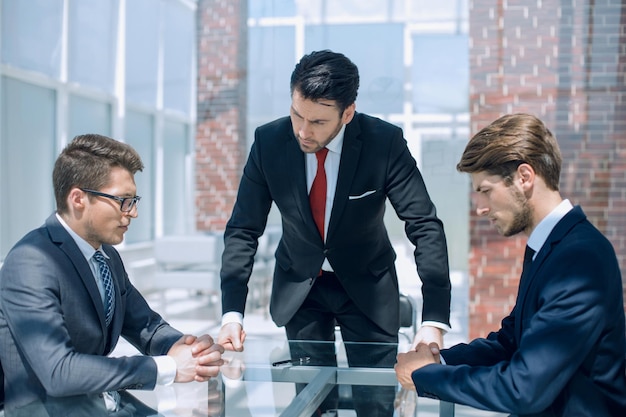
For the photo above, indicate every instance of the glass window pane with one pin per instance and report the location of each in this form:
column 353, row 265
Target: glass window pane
column 381, row 79
column 142, row 51
column 91, row 48
column 175, row 145
column 440, row 73
column 31, row 35
column 271, row 55
column 178, row 52
column 140, row 134
column 438, row 11
column 272, row 8
column 356, row 9
column 28, row 123
column 88, row 116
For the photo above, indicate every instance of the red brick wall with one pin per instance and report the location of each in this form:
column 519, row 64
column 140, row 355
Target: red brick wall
column 564, row 61
column 220, row 137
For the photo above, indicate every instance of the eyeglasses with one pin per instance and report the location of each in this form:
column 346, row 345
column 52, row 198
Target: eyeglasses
column 126, row 203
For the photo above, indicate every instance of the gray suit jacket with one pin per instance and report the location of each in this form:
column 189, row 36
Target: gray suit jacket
column 53, row 339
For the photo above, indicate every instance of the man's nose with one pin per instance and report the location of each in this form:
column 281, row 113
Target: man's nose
column 482, row 211
column 305, row 130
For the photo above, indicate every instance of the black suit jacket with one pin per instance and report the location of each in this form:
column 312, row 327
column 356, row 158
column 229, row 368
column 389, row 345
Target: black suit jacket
column 561, row 350
column 53, row 337
column 376, row 165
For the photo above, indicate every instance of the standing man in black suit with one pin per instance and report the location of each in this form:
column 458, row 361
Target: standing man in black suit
column 560, row 352
column 334, row 263
column 65, row 300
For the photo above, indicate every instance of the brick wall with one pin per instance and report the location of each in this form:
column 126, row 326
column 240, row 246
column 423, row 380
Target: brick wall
column 220, row 137
column 564, row 61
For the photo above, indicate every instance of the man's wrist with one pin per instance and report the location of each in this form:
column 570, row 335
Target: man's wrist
column 232, row 317
column 166, row 369
column 441, row 326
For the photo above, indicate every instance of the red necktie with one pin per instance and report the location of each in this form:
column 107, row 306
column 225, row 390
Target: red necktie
column 317, row 195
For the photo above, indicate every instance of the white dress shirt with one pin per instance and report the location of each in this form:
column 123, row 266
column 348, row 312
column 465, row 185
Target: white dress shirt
column 538, row 236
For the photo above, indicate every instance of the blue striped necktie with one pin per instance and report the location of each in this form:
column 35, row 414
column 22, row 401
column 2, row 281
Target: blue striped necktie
column 107, row 284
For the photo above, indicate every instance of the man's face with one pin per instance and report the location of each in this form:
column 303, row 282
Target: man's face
column 102, row 220
column 316, row 123
column 506, row 206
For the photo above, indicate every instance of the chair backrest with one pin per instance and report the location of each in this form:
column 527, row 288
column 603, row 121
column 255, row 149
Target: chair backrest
column 191, row 250
column 407, row 311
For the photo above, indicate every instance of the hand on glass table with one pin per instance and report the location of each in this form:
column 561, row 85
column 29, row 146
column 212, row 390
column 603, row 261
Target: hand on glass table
column 232, row 335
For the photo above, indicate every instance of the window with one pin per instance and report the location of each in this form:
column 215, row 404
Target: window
column 74, row 67
column 175, row 145
column 88, row 116
column 31, row 35
column 91, row 43
column 142, row 52
column 140, row 134
column 28, row 117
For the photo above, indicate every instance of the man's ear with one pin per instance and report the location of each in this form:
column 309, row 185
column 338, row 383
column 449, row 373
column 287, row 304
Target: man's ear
column 526, row 175
column 77, row 199
column 348, row 114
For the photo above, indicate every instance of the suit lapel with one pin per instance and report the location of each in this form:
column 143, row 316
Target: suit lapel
column 296, row 169
column 66, row 243
column 347, row 170
column 561, row 229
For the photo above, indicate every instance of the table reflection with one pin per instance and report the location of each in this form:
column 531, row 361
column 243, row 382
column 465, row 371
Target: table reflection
column 271, row 377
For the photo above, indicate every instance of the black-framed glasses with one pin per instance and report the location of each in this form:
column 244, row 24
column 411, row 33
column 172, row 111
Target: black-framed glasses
column 126, row 203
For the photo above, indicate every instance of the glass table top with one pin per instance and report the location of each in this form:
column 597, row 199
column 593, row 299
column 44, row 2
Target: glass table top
column 292, row 379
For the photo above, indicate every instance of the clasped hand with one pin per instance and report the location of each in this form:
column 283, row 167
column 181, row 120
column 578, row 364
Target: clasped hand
column 197, row 358
column 412, row 360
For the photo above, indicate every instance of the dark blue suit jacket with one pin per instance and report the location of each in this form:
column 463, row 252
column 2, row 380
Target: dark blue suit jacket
column 375, row 165
column 53, row 337
column 561, row 350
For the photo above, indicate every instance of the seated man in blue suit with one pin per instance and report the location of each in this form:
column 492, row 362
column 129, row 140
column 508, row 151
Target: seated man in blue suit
column 65, row 299
column 560, row 352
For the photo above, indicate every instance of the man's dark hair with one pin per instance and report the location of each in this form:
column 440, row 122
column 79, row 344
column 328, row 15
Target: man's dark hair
column 86, row 162
column 326, row 75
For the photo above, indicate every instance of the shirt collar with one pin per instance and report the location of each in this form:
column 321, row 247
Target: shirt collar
column 336, row 144
column 538, row 237
column 86, row 249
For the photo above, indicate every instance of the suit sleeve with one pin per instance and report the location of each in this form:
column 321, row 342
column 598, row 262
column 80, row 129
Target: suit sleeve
column 496, row 347
column 554, row 342
column 408, row 195
column 243, row 229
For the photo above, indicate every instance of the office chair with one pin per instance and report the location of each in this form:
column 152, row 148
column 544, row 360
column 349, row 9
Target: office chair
column 408, row 317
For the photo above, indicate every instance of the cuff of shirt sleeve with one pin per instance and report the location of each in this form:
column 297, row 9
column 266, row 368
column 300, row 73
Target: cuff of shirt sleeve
column 232, row 317
column 443, row 327
column 166, row 369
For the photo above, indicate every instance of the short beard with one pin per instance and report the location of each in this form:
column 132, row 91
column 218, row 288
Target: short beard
column 522, row 219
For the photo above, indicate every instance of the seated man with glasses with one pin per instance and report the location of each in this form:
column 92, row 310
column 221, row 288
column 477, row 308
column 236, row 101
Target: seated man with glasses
column 65, row 300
